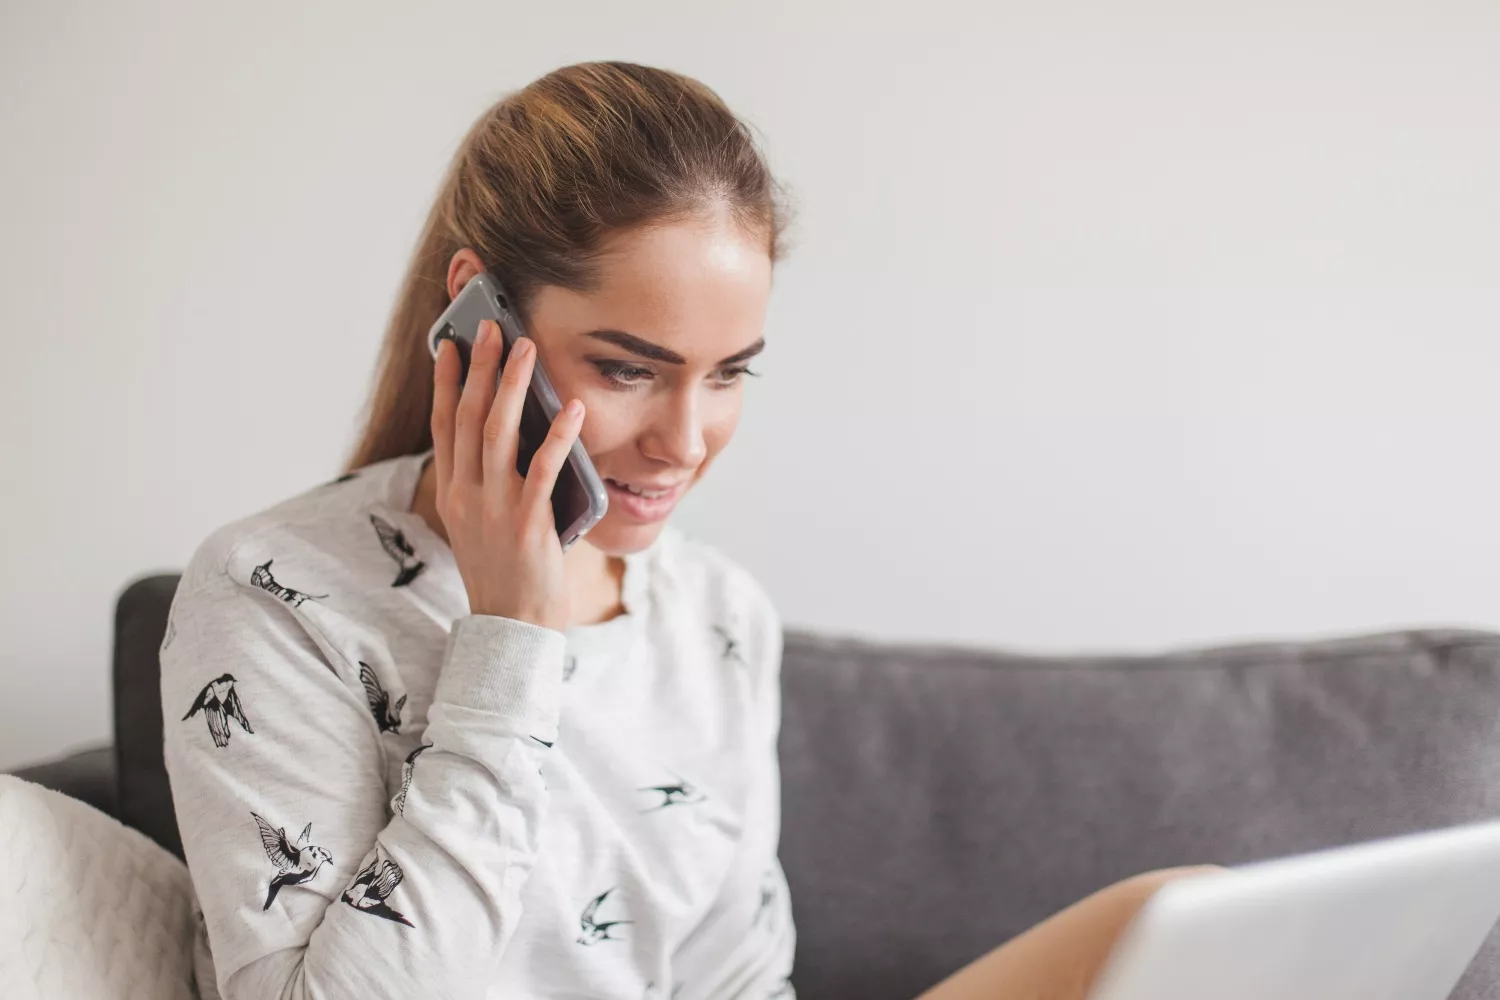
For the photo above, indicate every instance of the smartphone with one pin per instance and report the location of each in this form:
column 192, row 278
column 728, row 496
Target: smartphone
column 579, row 498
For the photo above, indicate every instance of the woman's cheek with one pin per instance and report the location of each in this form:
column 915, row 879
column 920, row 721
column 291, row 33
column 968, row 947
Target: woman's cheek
column 606, row 422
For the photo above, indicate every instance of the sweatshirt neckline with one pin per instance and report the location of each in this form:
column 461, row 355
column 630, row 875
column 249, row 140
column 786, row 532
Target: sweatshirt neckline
column 635, row 587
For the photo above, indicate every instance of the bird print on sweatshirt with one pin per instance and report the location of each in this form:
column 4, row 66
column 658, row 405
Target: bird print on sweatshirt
column 767, row 896
column 680, row 793
column 373, row 885
column 570, row 664
column 263, row 579
column 387, row 716
column 295, row 863
column 220, row 702
column 393, row 540
column 406, row 769
column 731, row 645
column 593, row 930
column 170, row 634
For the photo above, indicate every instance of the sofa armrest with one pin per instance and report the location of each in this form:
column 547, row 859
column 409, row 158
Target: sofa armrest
column 87, row 775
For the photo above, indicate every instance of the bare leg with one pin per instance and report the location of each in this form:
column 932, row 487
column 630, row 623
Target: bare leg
column 1059, row 958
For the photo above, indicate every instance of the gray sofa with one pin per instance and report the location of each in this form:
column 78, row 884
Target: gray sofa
column 939, row 800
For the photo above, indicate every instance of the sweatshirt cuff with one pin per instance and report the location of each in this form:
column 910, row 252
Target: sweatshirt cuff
column 503, row 665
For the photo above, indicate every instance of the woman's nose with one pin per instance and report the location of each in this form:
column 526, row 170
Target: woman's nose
column 677, row 432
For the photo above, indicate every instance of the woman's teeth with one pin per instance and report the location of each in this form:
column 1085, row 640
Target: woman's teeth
column 640, row 493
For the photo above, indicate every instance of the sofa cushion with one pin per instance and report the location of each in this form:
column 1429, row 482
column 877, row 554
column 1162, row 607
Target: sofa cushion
column 92, row 907
column 938, row 801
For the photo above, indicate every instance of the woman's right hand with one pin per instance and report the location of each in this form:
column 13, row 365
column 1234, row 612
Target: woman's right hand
column 500, row 525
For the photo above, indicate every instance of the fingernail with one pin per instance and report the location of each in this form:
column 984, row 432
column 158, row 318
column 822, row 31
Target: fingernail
column 484, row 333
column 575, row 408
column 523, row 347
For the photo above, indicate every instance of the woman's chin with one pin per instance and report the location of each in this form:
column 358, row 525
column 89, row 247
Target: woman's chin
column 617, row 536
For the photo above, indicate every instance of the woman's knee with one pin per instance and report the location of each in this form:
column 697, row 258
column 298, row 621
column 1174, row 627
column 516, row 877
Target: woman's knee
column 1137, row 889
column 1060, row 957
column 1158, row 877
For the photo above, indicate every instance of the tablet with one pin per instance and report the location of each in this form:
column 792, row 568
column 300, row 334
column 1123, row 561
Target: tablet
column 1392, row 919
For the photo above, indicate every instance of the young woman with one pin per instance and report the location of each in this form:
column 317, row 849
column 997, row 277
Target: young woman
column 418, row 751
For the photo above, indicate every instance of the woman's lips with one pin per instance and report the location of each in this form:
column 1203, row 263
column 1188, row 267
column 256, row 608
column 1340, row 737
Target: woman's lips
column 641, row 508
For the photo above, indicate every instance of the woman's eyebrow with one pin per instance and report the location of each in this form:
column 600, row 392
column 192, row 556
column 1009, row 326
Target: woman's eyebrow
column 655, row 352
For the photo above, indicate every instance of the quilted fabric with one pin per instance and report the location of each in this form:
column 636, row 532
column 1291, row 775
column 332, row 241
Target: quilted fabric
column 93, row 909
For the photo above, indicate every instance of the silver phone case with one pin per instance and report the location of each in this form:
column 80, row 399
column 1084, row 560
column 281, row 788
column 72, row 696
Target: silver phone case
column 483, row 298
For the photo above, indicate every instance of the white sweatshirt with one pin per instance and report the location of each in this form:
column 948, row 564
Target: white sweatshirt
column 381, row 794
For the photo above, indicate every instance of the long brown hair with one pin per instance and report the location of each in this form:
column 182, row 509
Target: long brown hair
column 542, row 178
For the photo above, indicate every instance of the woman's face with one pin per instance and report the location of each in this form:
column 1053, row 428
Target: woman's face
column 657, row 355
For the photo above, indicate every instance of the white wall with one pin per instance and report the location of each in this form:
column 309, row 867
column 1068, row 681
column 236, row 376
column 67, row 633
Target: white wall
column 1105, row 330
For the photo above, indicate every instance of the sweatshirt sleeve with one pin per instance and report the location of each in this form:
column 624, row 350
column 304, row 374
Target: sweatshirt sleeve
column 744, row 946
column 313, row 881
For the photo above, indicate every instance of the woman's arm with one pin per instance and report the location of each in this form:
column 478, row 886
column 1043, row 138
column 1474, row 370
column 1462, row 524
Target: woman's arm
column 309, row 887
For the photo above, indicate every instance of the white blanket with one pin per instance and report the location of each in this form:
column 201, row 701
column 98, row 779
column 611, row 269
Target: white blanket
column 91, row 908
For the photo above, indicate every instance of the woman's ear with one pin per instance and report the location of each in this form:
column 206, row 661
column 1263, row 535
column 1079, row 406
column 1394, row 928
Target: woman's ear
column 464, row 265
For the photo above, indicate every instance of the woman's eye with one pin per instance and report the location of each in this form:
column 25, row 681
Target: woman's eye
column 623, row 374
column 732, row 375
column 628, row 376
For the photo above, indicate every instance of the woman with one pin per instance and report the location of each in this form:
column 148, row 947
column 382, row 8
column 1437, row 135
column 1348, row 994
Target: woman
column 418, row 751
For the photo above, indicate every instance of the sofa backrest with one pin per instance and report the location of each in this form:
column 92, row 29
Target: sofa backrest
column 143, row 799
column 938, row 800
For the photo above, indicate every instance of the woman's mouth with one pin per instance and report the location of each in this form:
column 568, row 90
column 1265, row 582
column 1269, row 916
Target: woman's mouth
column 642, row 504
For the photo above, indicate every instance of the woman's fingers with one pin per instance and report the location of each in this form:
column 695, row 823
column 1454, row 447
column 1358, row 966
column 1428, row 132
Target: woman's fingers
column 541, row 477
column 502, row 429
column 474, row 406
column 446, row 371
column 444, row 400
column 476, row 429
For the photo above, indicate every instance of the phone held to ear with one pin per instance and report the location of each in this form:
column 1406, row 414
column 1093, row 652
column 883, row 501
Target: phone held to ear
column 579, row 498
